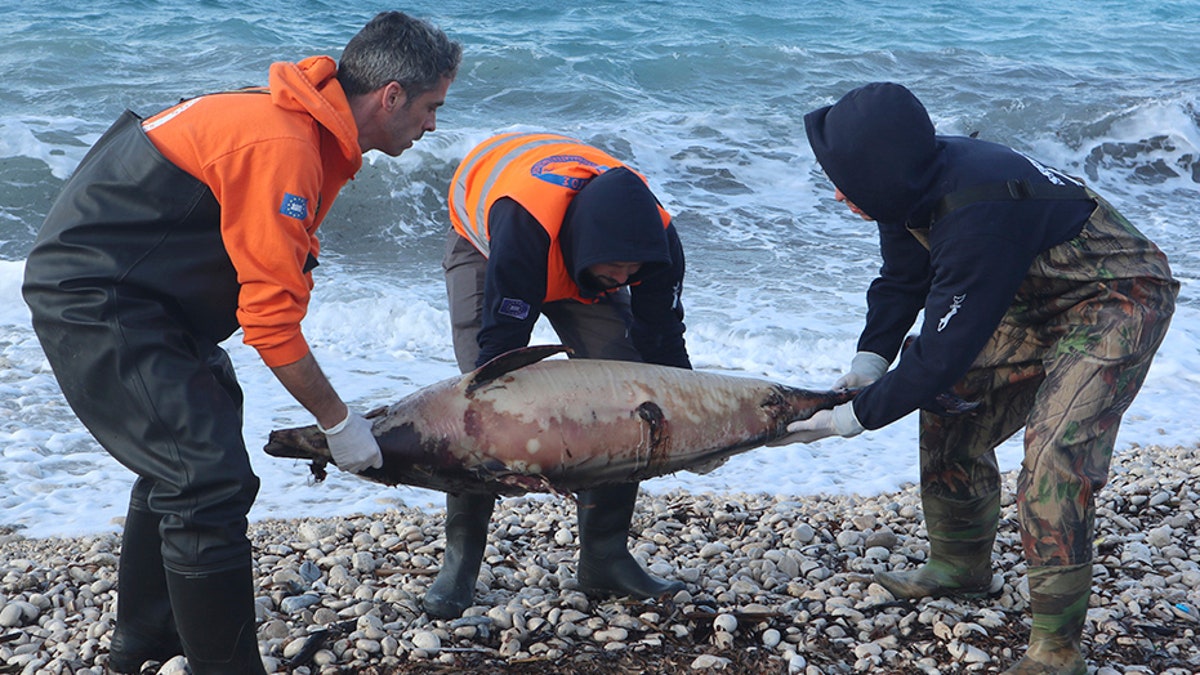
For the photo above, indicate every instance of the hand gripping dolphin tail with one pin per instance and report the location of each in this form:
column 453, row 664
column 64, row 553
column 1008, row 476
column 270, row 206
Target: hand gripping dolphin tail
column 521, row 423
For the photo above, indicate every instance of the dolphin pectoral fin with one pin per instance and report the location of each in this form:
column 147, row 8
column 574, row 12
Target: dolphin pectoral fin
column 510, row 361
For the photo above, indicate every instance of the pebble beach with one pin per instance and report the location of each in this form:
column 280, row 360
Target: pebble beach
column 775, row 584
column 706, row 98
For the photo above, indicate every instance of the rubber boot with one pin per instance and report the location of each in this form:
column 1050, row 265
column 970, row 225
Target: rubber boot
column 215, row 617
column 606, row 568
column 961, row 534
column 453, row 590
column 145, row 629
column 1058, row 599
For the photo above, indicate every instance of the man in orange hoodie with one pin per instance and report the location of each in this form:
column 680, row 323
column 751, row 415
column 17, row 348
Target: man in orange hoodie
column 172, row 233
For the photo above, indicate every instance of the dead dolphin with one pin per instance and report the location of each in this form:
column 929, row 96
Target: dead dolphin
column 524, row 424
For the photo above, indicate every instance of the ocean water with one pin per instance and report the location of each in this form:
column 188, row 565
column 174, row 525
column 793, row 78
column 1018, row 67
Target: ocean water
column 705, row 98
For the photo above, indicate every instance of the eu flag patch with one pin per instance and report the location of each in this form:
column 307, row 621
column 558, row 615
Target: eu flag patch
column 294, row 206
column 517, row 309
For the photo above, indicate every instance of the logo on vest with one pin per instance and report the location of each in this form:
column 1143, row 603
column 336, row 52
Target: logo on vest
column 954, row 307
column 517, row 309
column 544, row 170
column 294, row 206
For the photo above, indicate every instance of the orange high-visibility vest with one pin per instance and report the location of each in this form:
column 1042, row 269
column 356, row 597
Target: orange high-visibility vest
column 542, row 173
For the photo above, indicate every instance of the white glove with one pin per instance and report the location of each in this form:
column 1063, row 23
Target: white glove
column 865, row 368
column 352, row 444
column 840, row 421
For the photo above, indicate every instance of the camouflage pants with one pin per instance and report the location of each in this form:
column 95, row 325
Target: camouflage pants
column 1065, row 363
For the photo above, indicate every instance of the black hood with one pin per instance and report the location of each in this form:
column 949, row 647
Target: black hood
column 878, row 146
column 614, row 218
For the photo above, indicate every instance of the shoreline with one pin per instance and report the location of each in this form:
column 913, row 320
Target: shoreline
column 774, row 584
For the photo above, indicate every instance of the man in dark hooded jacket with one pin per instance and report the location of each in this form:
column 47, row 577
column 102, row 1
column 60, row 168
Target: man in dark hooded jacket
column 545, row 225
column 1041, row 302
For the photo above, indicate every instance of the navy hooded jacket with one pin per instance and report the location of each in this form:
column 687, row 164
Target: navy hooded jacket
column 878, row 146
column 614, row 218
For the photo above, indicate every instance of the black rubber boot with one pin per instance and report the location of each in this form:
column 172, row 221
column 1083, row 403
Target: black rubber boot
column 467, row 518
column 145, row 629
column 215, row 617
column 961, row 534
column 606, row 568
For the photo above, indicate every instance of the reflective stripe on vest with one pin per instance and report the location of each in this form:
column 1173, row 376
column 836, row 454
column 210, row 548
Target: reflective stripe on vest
column 472, row 223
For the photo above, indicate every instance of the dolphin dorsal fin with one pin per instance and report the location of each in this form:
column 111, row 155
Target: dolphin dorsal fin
column 510, row 361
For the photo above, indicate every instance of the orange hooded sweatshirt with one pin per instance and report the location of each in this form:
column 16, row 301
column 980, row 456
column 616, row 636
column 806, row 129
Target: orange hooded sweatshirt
column 275, row 163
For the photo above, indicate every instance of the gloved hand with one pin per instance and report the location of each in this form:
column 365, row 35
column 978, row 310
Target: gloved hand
column 865, row 368
column 352, row 444
column 840, row 421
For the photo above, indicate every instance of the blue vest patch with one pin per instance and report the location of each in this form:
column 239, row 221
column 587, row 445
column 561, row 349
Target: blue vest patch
column 517, row 309
column 294, row 206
